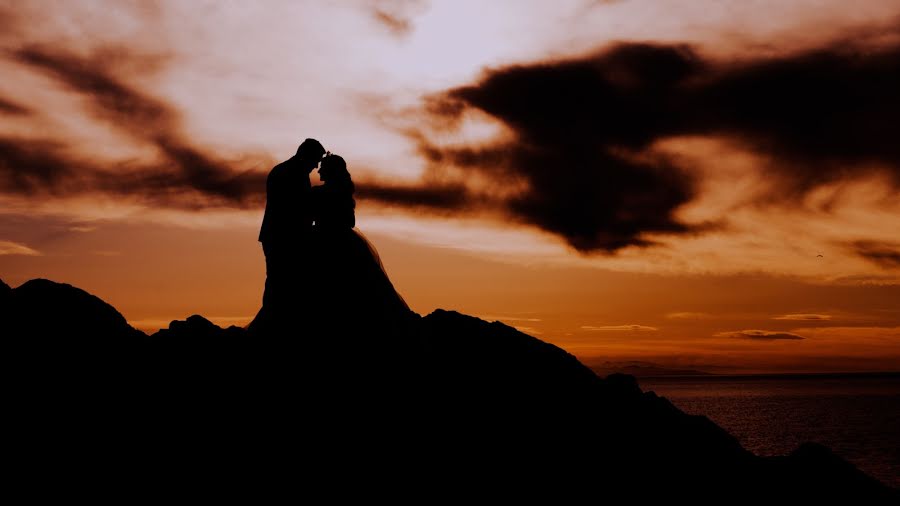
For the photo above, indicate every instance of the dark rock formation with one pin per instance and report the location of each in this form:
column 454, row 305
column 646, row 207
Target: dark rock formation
column 5, row 293
column 448, row 406
column 62, row 315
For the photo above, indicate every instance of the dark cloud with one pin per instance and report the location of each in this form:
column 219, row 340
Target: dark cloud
column 760, row 335
column 448, row 197
column 32, row 167
column 886, row 255
column 110, row 98
column 186, row 176
column 576, row 130
column 12, row 108
column 37, row 167
column 581, row 128
column 822, row 114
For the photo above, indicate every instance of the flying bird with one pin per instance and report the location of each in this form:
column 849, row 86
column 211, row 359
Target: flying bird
column 820, row 256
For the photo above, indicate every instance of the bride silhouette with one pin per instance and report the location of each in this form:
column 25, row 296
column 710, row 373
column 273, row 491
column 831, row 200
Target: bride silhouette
column 350, row 283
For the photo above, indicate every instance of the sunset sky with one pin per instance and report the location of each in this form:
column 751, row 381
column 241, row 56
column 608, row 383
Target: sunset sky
column 709, row 184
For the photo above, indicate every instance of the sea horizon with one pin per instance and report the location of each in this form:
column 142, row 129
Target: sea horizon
column 855, row 414
column 715, row 375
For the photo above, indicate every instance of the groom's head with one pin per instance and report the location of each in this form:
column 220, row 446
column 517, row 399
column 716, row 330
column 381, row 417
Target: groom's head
column 309, row 154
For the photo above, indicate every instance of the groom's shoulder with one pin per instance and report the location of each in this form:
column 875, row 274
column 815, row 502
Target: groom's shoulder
column 279, row 168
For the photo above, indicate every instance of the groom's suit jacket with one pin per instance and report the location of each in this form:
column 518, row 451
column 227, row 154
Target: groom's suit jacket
column 288, row 214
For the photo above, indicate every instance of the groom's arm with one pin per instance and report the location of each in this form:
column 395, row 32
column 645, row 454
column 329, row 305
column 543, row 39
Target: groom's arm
column 308, row 203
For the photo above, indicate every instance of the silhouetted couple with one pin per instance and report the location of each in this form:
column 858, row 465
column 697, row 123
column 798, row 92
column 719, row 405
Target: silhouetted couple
column 322, row 275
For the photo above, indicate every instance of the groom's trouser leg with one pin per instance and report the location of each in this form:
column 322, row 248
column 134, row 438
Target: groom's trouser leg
column 273, row 274
column 283, row 265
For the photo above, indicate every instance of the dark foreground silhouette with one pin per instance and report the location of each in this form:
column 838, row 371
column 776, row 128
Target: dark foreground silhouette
column 442, row 406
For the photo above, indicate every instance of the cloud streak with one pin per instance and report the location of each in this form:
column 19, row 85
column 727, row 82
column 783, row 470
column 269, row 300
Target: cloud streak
column 688, row 315
column 886, row 255
column 12, row 108
column 45, row 168
column 803, row 317
column 396, row 15
column 184, row 176
column 760, row 335
column 14, row 248
column 448, row 196
column 620, row 328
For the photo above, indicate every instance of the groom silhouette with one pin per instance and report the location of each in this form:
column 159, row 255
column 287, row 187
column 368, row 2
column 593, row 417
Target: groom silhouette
column 287, row 227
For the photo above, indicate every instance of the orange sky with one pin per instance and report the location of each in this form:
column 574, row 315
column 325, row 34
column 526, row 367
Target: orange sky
column 129, row 94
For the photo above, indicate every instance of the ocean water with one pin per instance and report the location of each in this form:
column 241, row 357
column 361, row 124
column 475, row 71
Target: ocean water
column 856, row 415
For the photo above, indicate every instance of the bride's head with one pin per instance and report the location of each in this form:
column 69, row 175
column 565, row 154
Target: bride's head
column 334, row 171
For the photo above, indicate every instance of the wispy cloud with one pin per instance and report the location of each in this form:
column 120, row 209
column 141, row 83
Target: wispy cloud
column 185, row 175
column 510, row 318
column 528, row 330
column 82, row 228
column 688, row 315
column 760, row 335
column 12, row 108
column 14, row 248
column 884, row 254
column 396, row 15
column 629, row 328
column 803, row 317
